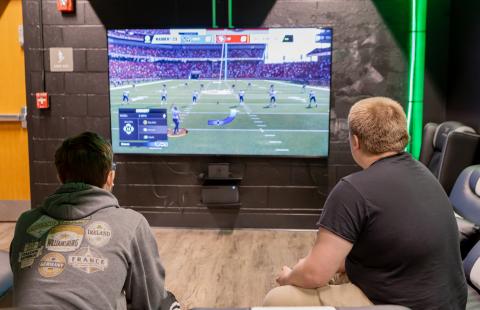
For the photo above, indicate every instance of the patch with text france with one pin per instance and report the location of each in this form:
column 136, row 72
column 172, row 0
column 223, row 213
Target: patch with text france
column 88, row 260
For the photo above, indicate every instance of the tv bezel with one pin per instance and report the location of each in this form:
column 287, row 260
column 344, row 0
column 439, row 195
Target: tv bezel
column 205, row 155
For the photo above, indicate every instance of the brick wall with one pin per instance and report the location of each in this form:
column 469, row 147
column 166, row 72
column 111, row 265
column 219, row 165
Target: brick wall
column 275, row 192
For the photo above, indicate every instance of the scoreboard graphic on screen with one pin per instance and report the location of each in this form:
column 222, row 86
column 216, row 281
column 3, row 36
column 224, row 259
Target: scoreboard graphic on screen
column 143, row 128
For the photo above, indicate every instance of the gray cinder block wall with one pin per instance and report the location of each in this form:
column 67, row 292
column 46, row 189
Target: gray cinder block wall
column 368, row 60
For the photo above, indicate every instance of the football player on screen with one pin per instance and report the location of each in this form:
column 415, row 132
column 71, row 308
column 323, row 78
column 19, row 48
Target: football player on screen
column 312, row 99
column 163, row 95
column 125, row 97
column 241, row 96
column 272, row 93
column 176, row 119
column 194, row 97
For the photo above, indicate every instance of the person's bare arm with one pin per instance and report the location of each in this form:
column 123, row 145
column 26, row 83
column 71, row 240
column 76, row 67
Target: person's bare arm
column 326, row 258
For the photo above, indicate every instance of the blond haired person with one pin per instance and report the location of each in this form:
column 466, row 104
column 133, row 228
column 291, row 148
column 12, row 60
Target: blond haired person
column 390, row 227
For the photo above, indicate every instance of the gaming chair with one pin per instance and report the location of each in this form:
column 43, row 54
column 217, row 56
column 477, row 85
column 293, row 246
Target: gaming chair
column 448, row 148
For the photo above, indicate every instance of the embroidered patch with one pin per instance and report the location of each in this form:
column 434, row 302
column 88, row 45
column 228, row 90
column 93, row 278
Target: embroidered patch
column 64, row 238
column 98, row 233
column 31, row 251
column 41, row 226
column 80, row 222
column 88, row 260
column 51, row 265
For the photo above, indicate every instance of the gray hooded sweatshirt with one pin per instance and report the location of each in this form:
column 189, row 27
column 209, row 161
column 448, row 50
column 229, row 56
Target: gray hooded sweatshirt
column 80, row 250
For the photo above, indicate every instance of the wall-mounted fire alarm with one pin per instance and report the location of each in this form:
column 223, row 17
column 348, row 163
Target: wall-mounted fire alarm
column 42, row 100
column 65, row 6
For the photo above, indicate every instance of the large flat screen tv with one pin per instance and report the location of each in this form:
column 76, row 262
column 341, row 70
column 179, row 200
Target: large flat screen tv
column 220, row 91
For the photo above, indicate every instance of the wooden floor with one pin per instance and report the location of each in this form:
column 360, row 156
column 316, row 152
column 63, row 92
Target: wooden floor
column 6, row 235
column 219, row 268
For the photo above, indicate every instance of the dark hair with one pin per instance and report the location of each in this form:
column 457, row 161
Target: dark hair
column 86, row 158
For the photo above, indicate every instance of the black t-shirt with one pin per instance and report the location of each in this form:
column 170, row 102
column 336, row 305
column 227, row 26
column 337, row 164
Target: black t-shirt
column 404, row 235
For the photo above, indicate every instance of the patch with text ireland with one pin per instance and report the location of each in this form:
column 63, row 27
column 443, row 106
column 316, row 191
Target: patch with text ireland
column 98, row 233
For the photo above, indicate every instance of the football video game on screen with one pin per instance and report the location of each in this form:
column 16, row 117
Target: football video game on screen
column 220, row 91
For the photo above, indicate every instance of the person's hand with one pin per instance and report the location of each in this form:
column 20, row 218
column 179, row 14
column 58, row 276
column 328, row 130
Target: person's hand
column 282, row 278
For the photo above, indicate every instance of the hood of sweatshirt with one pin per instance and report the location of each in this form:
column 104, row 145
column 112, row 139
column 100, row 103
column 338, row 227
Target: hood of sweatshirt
column 73, row 201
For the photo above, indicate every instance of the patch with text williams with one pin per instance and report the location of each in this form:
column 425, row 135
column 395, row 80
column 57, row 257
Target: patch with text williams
column 64, row 238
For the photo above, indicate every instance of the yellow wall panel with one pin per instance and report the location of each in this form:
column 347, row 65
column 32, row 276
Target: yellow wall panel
column 14, row 167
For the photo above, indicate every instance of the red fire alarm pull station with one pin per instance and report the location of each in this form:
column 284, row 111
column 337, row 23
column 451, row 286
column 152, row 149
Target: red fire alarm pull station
column 65, row 6
column 42, row 101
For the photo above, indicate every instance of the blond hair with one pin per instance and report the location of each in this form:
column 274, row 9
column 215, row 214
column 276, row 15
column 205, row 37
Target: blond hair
column 380, row 125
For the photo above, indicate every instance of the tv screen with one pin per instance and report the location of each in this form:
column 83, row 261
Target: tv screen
column 220, row 91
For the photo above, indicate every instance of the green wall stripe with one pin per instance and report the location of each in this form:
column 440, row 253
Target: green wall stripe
column 416, row 76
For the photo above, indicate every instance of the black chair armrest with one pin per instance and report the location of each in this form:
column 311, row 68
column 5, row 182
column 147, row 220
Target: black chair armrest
column 426, row 151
